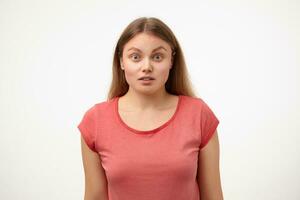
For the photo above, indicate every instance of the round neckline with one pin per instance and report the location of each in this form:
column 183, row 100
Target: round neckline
column 141, row 132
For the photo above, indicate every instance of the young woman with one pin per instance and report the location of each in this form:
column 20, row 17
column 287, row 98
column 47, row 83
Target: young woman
column 152, row 139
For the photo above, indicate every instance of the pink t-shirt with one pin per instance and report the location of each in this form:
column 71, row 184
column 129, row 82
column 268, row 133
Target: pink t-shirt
column 158, row 164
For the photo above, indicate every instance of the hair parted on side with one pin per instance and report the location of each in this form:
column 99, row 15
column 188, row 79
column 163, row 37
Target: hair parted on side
column 178, row 82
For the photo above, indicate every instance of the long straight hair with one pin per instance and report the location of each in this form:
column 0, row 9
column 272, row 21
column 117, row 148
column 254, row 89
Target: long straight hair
column 178, row 82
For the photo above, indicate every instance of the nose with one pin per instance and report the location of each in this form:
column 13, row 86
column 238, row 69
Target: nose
column 147, row 65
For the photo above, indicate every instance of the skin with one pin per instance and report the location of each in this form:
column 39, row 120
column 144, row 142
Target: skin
column 144, row 62
column 146, row 100
column 95, row 179
column 208, row 177
column 140, row 104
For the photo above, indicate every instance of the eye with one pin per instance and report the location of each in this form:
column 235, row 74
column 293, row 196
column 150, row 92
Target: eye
column 158, row 56
column 134, row 56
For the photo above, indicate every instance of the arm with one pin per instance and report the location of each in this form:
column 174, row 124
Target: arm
column 95, row 179
column 208, row 171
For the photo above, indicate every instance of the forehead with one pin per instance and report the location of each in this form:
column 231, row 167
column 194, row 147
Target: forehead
column 146, row 42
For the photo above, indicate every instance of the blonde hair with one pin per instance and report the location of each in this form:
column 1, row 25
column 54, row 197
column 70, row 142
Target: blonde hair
column 178, row 81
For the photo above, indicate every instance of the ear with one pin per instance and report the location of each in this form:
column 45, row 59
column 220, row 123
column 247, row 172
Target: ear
column 172, row 60
column 171, row 63
column 121, row 64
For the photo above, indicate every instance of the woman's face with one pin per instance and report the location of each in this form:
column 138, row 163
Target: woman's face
column 146, row 55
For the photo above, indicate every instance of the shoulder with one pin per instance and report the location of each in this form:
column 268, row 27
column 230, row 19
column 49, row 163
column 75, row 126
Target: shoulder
column 101, row 109
column 196, row 105
column 103, row 105
column 194, row 102
column 93, row 110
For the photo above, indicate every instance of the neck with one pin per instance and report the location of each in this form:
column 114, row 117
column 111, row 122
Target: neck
column 140, row 101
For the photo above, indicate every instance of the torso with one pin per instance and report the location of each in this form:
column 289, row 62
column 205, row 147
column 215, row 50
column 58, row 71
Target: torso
column 148, row 120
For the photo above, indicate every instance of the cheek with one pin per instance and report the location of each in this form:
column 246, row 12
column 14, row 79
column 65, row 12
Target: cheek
column 163, row 71
column 130, row 74
column 166, row 75
column 130, row 70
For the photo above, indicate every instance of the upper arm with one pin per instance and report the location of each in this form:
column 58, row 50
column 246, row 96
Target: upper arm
column 95, row 178
column 208, row 170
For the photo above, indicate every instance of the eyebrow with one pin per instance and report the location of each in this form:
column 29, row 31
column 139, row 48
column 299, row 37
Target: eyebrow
column 160, row 47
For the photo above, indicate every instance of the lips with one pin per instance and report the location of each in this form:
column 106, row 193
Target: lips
column 146, row 78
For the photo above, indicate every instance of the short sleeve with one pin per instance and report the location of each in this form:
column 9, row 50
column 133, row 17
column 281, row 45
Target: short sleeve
column 208, row 124
column 88, row 129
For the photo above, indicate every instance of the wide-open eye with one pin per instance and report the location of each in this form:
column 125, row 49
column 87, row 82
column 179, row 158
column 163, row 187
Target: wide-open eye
column 158, row 57
column 134, row 56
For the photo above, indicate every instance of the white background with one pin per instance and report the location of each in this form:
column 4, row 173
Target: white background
column 56, row 62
